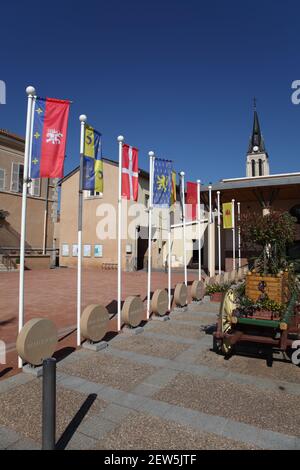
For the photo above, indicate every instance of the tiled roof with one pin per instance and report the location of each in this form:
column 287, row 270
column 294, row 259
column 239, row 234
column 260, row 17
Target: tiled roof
column 6, row 133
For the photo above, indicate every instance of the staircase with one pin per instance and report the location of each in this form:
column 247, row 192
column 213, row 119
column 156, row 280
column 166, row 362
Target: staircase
column 6, row 264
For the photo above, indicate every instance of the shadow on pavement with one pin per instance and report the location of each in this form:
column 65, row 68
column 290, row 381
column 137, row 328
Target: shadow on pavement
column 75, row 423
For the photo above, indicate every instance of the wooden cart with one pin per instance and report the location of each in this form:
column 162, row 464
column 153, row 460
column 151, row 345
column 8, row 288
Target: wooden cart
column 233, row 329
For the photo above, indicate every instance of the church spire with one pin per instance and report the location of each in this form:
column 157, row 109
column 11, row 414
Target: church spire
column 256, row 143
column 257, row 158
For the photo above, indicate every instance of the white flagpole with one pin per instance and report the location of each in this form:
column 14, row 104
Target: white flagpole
column 82, row 119
column 209, row 230
column 183, row 226
column 199, row 227
column 239, row 232
column 219, row 231
column 169, row 263
column 120, row 140
column 30, row 90
column 151, row 163
column 233, row 236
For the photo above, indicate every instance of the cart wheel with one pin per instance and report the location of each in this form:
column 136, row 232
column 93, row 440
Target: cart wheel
column 217, row 345
column 227, row 307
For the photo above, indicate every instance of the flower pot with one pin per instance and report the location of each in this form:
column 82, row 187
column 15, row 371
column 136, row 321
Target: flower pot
column 266, row 315
column 216, row 297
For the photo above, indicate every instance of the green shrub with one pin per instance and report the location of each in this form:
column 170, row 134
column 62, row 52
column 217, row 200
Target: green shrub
column 213, row 288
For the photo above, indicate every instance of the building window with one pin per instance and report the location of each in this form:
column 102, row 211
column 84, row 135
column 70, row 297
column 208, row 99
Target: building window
column 35, row 187
column 92, row 193
column 260, row 172
column 2, row 179
column 253, row 167
column 17, row 177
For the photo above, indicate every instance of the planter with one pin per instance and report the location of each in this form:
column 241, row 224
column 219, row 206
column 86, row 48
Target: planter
column 266, row 315
column 216, row 297
column 276, row 287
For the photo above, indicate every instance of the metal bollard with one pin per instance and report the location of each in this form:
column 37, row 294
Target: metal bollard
column 49, row 404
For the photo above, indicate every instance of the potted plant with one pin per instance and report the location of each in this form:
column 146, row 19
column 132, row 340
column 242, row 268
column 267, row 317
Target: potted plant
column 268, row 237
column 18, row 262
column 216, row 291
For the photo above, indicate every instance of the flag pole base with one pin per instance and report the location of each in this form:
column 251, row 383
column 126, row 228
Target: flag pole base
column 36, row 371
column 127, row 330
column 99, row 346
column 160, row 318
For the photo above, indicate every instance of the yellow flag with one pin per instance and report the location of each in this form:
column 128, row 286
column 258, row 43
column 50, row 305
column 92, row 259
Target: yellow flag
column 173, row 188
column 89, row 142
column 227, row 215
column 98, row 167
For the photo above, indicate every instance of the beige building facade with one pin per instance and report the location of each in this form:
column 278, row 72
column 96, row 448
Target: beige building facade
column 41, row 203
column 100, row 215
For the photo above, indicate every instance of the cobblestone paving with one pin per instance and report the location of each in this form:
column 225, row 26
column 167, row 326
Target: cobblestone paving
column 161, row 389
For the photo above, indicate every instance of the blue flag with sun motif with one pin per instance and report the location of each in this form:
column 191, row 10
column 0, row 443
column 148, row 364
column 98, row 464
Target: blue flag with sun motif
column 162, row 182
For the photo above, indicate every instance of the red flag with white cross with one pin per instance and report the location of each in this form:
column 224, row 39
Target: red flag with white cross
column 130, row 172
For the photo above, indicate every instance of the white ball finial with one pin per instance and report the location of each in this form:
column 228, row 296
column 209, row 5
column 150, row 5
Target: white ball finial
column 120, row 138
column 209, row 186
column 30, row 90
column 199, row 181
column 182, row 173
column 151, row 154
column 82, row 118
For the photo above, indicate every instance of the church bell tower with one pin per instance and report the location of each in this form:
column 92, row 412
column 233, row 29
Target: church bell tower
column 257, row 157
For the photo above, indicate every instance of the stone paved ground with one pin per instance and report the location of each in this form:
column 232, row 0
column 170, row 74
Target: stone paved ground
column 51, row 293
column 161, row 389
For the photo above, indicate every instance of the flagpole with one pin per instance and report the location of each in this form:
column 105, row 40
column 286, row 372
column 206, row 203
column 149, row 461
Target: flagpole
column 209, row 231
column 199, row 228
column 239, row 232
column 183, row 226
column 120, row 140
column 151, row 163
column 169, row 263
column 233, row 235
column 30, row 90
column 219, row 231
column 82, row 119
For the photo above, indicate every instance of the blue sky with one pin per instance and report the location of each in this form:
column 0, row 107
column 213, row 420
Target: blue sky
column 176, row 77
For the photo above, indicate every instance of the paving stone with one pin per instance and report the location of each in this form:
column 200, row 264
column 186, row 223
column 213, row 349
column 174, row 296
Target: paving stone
column 21, row 409
column 96, row 427
column 145, row 389
column 141, row 431
column 104, row 368
column 80, row 441
column 151, row 346
column 8, row 437
column 114, row 413
column 25, row 444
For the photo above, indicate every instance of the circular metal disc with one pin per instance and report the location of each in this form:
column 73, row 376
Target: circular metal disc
column 180, row 295
column 94, row 322
column 132, row 311
column 159, row 302
column 37, row 340
column 198, row 290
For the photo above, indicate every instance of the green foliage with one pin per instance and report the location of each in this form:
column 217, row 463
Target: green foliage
column 213, row 288
column 269, row 236
column 247, row 307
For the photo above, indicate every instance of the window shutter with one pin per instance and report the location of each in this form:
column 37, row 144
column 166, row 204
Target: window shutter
column 15, row 177
column 2, row 178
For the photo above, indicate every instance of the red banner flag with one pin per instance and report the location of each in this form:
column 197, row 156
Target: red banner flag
column 49, row 137
column 130, row 173
column 191, row 200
